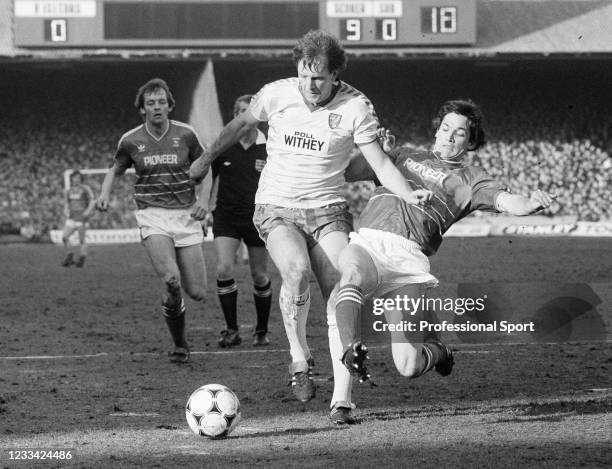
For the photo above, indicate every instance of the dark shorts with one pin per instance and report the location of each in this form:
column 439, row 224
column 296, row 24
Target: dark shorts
column 313, row 223
column 236, row 226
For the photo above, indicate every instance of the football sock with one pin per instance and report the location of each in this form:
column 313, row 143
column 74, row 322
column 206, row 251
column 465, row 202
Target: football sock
column 227, row 290
column 432, row 353
column 263, row 302
column 349, row 301
column 342, row 377
column 174, row 314
column 295, row 315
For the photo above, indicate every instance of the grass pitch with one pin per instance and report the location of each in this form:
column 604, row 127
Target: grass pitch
column 83, row 369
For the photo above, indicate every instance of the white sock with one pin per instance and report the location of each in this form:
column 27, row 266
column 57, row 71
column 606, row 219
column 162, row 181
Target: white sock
column 343, row 381
column 294, row 310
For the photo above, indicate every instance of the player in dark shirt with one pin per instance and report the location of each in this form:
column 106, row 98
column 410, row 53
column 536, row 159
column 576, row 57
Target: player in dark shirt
column 236, row 176
column 161, row 151
column 387, row 257
column 79, row 205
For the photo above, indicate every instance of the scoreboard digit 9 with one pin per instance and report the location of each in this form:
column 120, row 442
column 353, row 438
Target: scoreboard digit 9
column 240, row 23
column 402, row 23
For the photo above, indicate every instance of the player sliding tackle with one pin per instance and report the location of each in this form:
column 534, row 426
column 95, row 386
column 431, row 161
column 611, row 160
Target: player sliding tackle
column 315, row 121
column 387, row 257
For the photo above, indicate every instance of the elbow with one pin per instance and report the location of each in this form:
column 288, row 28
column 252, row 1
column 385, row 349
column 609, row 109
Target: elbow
column 195, row 176
column 520, row 211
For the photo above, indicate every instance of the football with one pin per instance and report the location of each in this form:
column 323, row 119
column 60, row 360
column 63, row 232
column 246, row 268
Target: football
column 213, row 411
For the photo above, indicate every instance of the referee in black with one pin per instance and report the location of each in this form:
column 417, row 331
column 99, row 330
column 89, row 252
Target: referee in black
column 236, row 176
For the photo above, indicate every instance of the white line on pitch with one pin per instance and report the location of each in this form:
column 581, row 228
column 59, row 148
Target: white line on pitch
column 460, row 348
column 260, row 350
column 139, row 354
column 54, row 357
column 251, row 429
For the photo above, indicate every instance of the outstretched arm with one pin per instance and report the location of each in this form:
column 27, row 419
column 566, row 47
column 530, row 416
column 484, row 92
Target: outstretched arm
column 390, row 176
column 520, row 205
column 231, row 133
column 359, row 169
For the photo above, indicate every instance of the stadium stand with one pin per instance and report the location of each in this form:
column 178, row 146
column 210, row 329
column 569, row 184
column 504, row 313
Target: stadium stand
column 547, row 127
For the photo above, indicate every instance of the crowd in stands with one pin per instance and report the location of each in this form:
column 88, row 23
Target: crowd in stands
column 36, row 148
column 533, row 142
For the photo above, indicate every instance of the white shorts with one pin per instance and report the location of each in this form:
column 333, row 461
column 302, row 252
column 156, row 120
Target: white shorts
column 71, row 225
column 177, row 224
column 398, row 260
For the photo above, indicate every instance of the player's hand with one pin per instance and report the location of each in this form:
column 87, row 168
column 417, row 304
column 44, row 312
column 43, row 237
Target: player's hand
column 386, row 138
column 199, row 212
column 102, row 203
column 207, row 223
column 539, row 200
column 419, row 197
column 199, row 169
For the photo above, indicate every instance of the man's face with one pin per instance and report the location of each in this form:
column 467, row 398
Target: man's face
column 452, row 137
column 316, row 81
column 156, row 107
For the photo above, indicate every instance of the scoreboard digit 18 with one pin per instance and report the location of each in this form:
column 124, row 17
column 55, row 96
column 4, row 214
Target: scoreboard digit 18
column 240, row 23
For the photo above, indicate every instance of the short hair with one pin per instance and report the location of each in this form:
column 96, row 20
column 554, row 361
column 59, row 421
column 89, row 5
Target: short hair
column 151, row 86
column 316, row 43
column 76, row 172
column 245, row 98
column 469, row 109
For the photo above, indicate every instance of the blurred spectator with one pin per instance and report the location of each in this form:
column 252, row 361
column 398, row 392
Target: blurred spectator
column 36, row 152
column 535, row 139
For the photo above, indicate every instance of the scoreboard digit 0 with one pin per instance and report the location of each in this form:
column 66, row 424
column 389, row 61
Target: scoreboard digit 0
column 240, row 23
column 402, row 23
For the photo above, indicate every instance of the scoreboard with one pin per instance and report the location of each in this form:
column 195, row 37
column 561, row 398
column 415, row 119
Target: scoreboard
column 240, row 23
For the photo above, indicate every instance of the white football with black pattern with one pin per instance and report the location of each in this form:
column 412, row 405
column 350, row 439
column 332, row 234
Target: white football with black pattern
column 213, row 411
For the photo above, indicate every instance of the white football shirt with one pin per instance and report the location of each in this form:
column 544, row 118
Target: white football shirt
column 308, row 150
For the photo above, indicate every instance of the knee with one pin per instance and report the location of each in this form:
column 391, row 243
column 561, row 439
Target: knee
column 351, row 273
column 172, row 281
column 409, row 365
column 196, row 290
column 224, row 270
column 296, row 278
column 259, row 276
column 197, row 294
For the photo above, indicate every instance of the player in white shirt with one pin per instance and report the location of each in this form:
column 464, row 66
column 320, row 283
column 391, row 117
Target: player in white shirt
column 308, row 145
column 314, row 122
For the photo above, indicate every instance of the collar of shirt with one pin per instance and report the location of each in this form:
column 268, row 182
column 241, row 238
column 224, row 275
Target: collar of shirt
column 152, row 134
column 324, row 103
column 457, row 163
